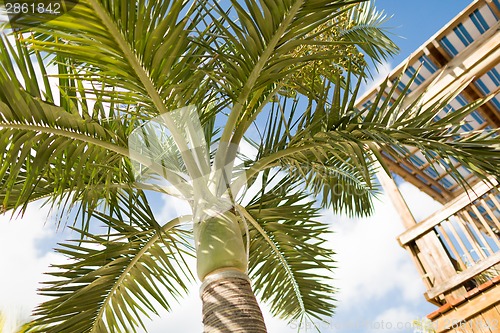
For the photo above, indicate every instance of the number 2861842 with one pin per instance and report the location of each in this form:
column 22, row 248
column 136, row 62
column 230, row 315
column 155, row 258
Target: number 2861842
column 15, row 8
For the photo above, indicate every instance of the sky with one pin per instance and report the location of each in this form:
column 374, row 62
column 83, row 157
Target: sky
column 380, row 290
column 414, row 22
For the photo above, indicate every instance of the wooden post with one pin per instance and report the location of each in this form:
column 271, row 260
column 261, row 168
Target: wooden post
column 392, row 191
column 436, row 263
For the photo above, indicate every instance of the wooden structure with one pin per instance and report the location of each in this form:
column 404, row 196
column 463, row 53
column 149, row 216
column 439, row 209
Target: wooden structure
column 456, row 249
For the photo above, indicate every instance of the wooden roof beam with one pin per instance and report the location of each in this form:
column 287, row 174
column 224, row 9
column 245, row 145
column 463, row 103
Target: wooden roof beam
column 488, row 111
column 441, row 197
column 493, row 7
column 477, row 59
column 437, row 54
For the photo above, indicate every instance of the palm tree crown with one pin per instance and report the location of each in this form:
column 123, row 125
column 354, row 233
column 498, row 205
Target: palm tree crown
column 157, row 96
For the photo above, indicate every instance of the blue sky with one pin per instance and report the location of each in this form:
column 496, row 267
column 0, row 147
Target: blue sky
column 380, row 289
column 417, row 21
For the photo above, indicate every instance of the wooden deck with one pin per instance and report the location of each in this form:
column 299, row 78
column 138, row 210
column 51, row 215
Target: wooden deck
column 466, row 52
column 476, row 312
column 457, row 249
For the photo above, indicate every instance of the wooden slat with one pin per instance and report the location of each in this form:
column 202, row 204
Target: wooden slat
column 417, row 171
column 486, row 225
column 462, row 245
column 468, row 309
column 428, row 262
column 489, row 321
column 476, row 324
column 493, row 7
column 495, row 201
column 418, row 264
column 427, row 48
column 491, row 214
column 436, row 53
column 451, row 208
column 488, row 110
column 442, row 197
column 451, row 246
column 479, row 234
column 470, row 179
column 437, row 263
column 435, row 259
column 497, row 308
column 472, row 62
column 470, row 238
column 473, row 325
column 461, row 277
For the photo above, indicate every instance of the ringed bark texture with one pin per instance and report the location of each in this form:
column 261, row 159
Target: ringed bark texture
column 229, row 304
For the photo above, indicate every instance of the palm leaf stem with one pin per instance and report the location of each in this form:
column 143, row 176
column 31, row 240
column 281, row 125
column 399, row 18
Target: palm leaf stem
column 168, row 226
column 68, row 134
column 149, row 86
column 266, row 162
column 185, row 190
column 227, row 134
column 282, row 259
column 240, row 131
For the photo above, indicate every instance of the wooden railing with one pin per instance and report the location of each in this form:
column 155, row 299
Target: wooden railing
column 458, row 247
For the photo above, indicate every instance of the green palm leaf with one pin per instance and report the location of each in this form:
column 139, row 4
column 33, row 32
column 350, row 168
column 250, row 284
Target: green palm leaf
column 392, row 124
column 334, row 167
column 136, row 46
column 45, row 146
column 398, row 123
column 286, row 244
column 366, row 30
column 46, row 150
column 143, row 50
column 116, row 279
column 256, row 53
column 119, row 64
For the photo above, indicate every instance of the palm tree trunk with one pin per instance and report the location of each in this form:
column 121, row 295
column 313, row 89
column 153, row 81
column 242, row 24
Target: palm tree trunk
column 229, row 304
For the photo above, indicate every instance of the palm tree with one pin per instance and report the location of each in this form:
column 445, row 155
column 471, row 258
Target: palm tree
column 156, row 96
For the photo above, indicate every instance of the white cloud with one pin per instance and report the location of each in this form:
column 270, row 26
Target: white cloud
column 172, row 207
column 421, row 205
column 371, row 264
column 22, row 264
column 394, row 320
column 247, row 150
column 186, row 317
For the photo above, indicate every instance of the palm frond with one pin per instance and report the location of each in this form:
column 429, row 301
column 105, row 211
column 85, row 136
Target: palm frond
column 360, row 28
column 256, row 52
column 275, row 31
column 74, row 152
column 334, row 167
column 366, row 30
column 394, row 123
column 44, row 147
column 144, row 50
column 336, row 136
column 141, row 47
column 115, row 279
column 289, row 261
